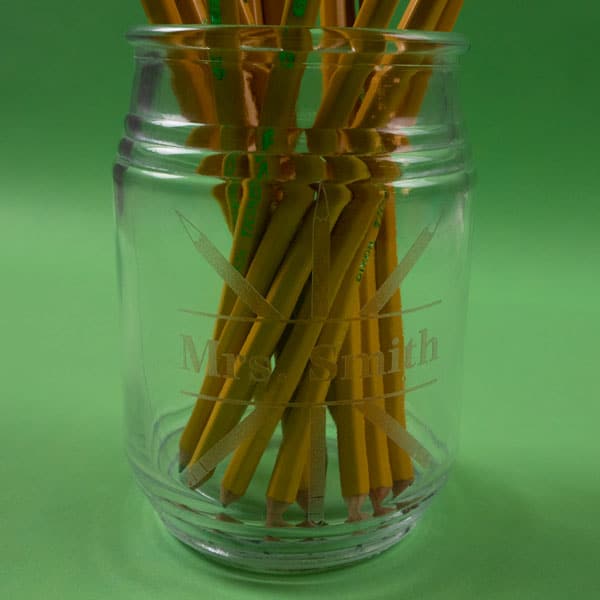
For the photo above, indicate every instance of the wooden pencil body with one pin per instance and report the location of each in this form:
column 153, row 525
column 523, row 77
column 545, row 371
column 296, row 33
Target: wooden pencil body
column 350, row 422
column 380, row 475
column 391, row 335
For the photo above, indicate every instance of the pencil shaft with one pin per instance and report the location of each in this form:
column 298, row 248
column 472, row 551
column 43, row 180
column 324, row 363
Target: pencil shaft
column 422, row 14
column 161, row 12
column 375, row 13
column 272, row 11
column 350, row 423
column 380, row 475
column 391, row 335
column 345, row 84
column 300, row 12
column 192, row 11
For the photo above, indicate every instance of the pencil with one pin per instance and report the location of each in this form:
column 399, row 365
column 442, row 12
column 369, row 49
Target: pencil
column 380, row 475
column 391, row 335
column 272, row 11
column 161, row 12
column 350, row 423
column 346, row 83
column 375, row 110
column 191, row 11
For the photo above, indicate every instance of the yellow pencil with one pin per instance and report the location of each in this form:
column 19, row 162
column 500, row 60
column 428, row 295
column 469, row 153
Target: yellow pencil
column 391, row 336
column 350, row 422
column 192, row 11
column 345, row 85
column 380, row 474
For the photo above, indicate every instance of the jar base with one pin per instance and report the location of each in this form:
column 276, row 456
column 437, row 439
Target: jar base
column 202, row 523
column 275, row 556
column 239, row 538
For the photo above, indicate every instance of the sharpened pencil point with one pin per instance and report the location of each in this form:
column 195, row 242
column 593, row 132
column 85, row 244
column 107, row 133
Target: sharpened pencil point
column 275, row 510
column 302, row 498
column 354, row 504
column 227, row 497
column 184, row 459
column 377, row 496
column 401, row 485
column 196, row 477
column 227, row 518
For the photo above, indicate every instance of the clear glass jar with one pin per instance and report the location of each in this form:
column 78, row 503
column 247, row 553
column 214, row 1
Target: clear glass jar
column 293, row 214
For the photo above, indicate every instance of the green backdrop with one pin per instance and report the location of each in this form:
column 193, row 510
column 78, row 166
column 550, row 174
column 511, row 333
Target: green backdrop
column 519, row 518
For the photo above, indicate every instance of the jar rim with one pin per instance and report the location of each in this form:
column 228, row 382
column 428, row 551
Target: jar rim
column 325, row 39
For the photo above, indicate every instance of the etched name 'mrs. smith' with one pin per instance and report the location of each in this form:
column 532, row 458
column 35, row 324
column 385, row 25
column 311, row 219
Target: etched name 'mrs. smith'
column 323, row 365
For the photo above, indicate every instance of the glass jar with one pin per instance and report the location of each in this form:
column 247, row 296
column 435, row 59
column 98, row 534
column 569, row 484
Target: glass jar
column 293, row 217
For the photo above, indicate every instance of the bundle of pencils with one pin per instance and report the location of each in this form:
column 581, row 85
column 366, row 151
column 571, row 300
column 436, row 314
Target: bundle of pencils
column 313, row 255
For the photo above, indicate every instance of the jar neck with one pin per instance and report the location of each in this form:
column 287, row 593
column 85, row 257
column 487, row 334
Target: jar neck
column 376, row 95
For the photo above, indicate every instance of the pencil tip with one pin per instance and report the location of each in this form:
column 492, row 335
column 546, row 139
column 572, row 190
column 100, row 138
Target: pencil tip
column 227, row 496
column 400, row 485
column 302, row 499
column 196, row 475
column 184, row 459
column 189, row 227
column 354, row 504
column 275, row 510
column 378, row 495
column 227, row 518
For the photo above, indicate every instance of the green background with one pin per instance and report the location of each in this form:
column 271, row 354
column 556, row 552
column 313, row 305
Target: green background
column 519, row 517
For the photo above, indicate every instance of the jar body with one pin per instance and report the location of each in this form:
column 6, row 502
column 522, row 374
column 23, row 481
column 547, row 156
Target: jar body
column 298, row 290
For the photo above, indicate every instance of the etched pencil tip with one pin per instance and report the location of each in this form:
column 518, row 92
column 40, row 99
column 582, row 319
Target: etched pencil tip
column 322, row 206
column 188, row 226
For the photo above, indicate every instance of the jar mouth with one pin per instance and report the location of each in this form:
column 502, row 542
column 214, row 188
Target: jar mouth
column 321, row 40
